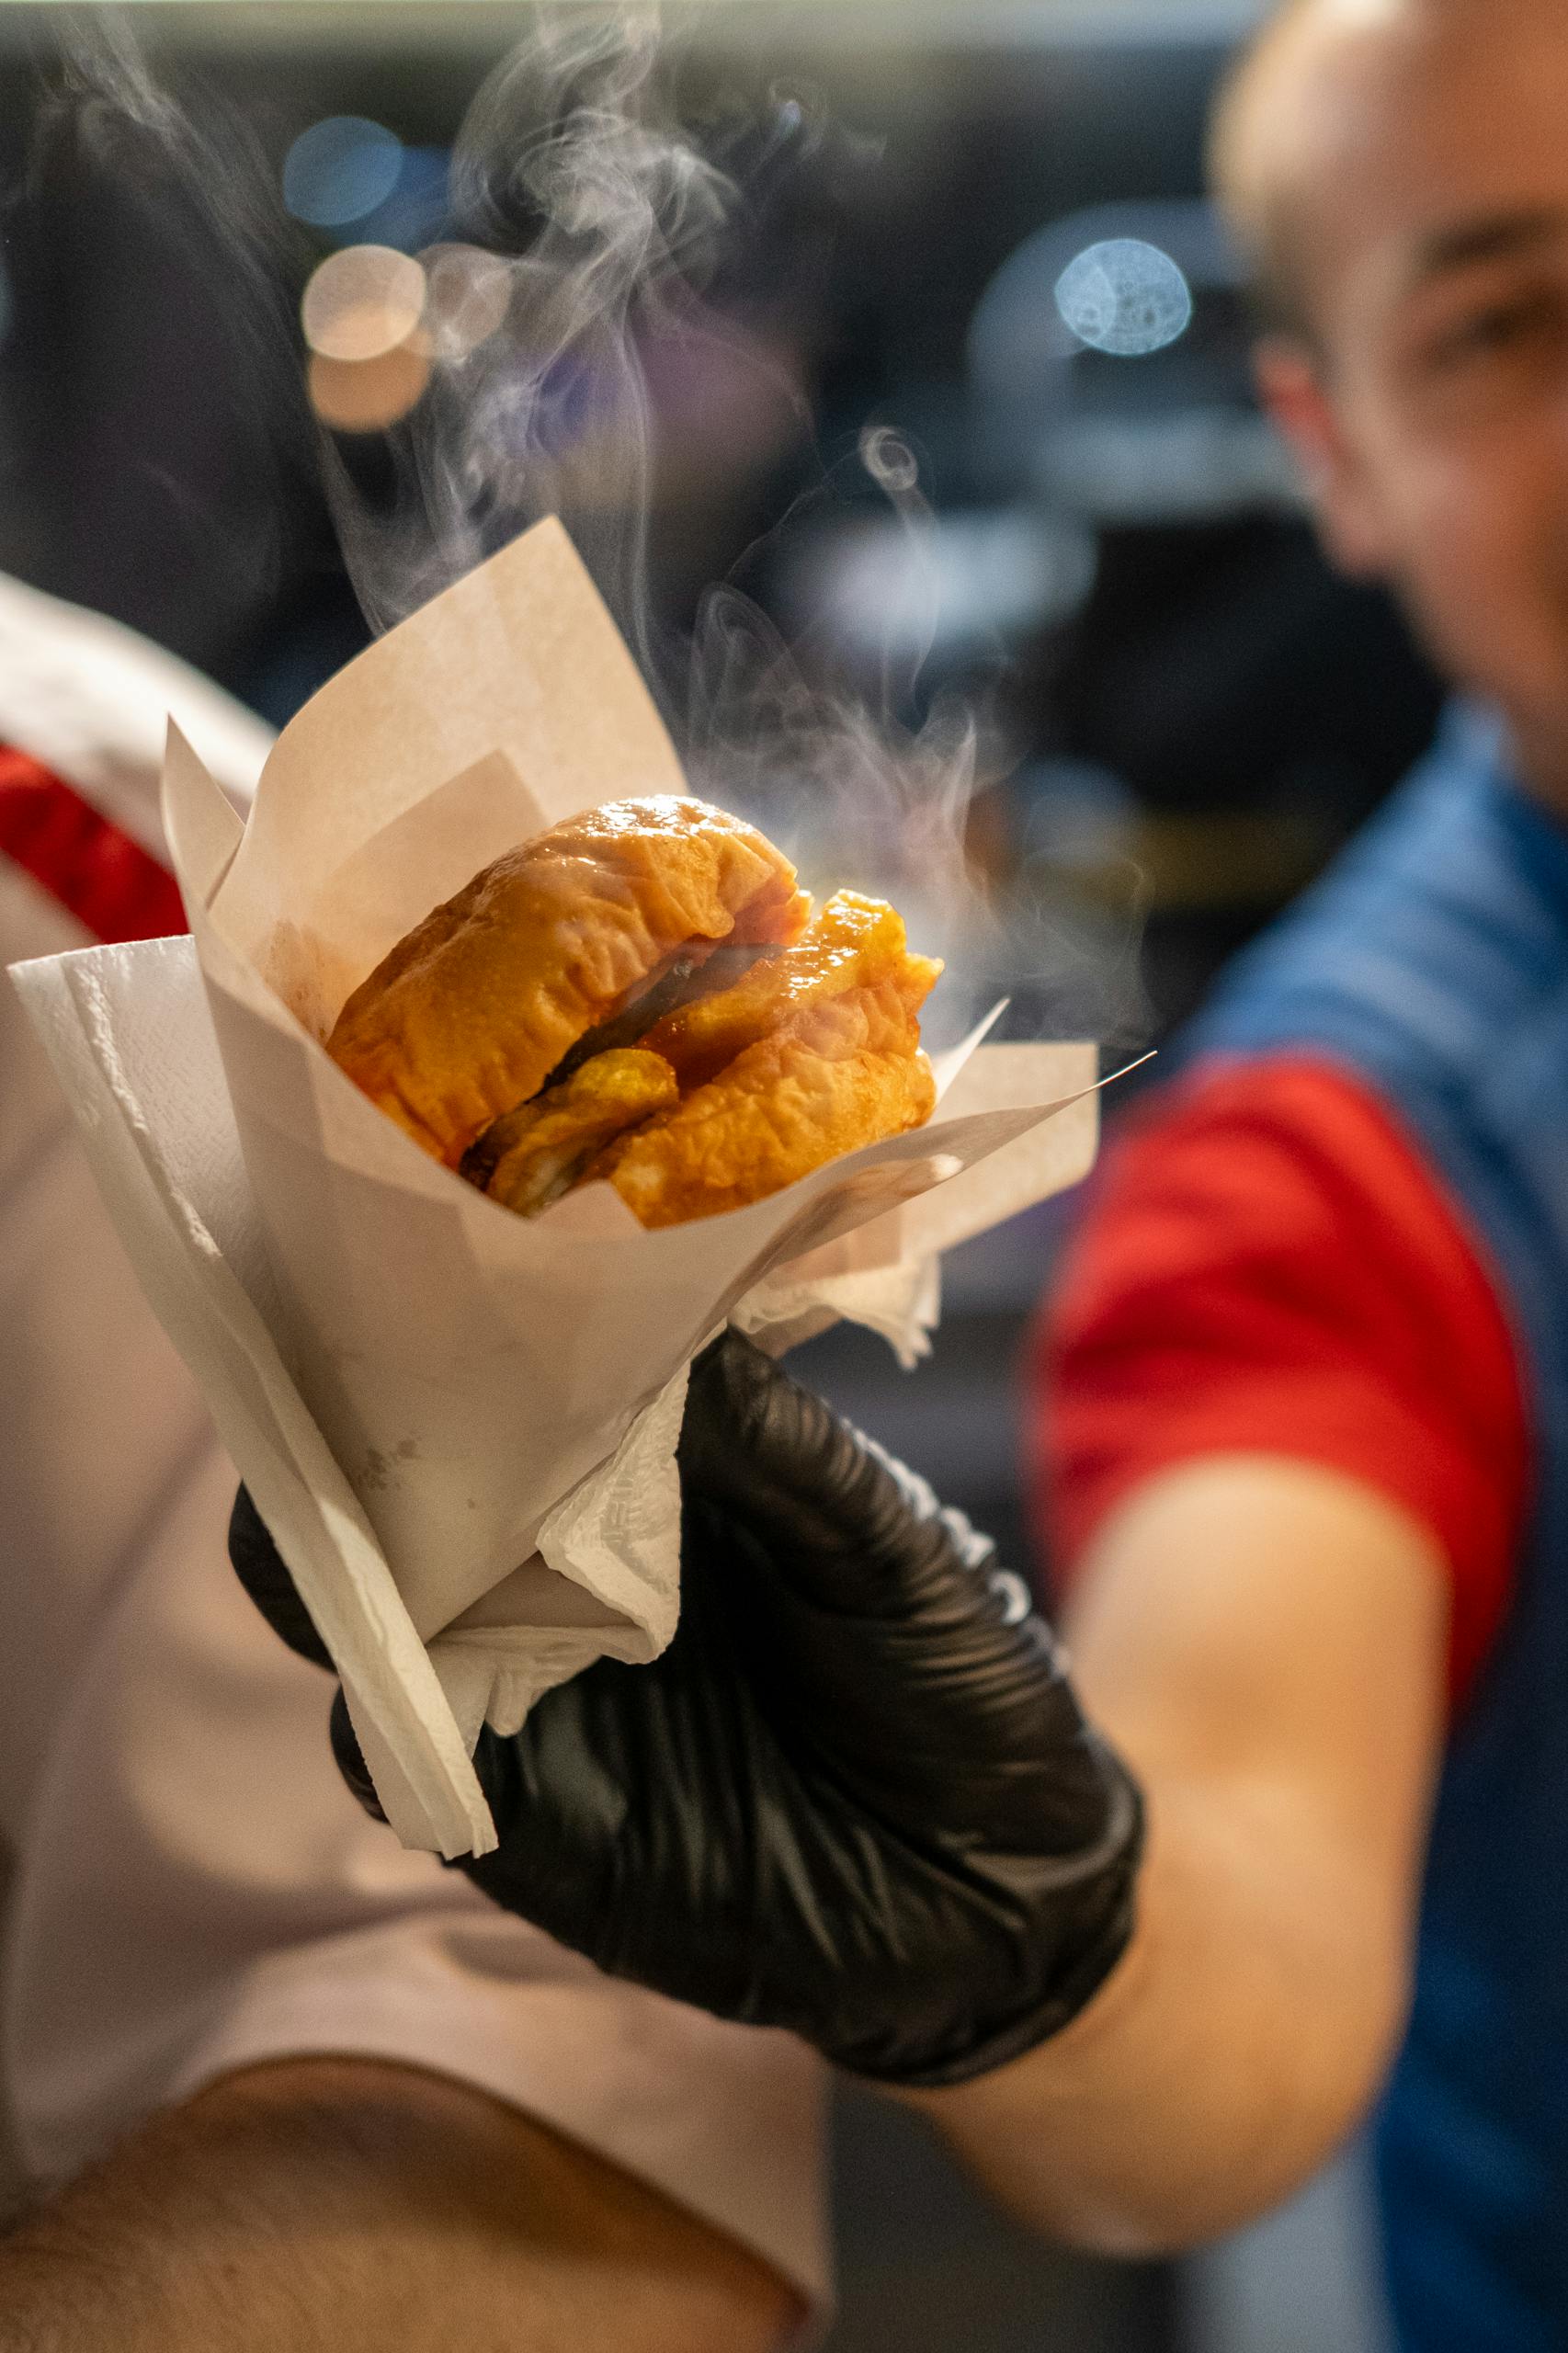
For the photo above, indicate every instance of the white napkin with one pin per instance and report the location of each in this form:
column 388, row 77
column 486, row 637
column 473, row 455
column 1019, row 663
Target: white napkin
column 461, row 1423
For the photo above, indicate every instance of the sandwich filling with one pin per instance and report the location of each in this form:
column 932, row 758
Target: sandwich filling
column 642, row 996
column 731, row 1075
column 538, row 1152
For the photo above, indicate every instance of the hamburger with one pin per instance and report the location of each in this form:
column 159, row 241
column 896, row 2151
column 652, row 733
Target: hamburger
column 644, row 996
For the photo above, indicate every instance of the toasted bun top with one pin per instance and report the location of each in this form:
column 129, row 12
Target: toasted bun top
column 472, row 1010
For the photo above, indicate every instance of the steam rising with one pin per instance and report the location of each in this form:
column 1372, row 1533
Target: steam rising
column 208, row 175
column 837, row 776
column 573, row 147
column 592, row 227
column 571, row 150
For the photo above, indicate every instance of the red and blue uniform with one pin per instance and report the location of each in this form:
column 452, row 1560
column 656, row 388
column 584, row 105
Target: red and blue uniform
column 1342, row 1236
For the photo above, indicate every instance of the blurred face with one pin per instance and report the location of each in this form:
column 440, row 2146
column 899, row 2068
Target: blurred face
column 1433, row 415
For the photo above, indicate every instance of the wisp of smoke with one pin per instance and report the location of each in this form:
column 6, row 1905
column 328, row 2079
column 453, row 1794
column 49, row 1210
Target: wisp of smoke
column 575, row 156
column 575, row 173
column 840, row 777
column 570, row 152
column 203, row 167
column 573, row 151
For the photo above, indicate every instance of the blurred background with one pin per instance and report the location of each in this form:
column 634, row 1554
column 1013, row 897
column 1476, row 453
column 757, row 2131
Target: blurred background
column 958, row 399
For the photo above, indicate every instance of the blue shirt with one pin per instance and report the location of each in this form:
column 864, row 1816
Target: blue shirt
column 1433, row 963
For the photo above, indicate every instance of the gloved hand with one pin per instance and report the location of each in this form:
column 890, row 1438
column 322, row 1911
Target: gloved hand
column 855, row 1797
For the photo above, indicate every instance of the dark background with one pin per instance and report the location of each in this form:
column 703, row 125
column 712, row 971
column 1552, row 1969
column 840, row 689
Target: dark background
column 1197, row 712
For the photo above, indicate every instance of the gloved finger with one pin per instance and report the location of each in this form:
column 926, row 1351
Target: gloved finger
column 350, row 1759
column 264, row 1574
column 826, row 1509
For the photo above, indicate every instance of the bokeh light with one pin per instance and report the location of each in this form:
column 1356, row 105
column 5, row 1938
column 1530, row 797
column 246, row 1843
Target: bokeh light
column 340, row 169
column 362, row 302
column 366, row 395
column 363, row 313
column 1126, row 298
column 418, row 208
column 467, row 295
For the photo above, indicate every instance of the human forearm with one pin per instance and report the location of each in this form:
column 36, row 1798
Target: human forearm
column 1241, row 2038
column 1264, row 1643
column 347, row 2206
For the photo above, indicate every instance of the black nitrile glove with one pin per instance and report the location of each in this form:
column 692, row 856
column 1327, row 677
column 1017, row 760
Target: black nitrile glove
column 855, row 1797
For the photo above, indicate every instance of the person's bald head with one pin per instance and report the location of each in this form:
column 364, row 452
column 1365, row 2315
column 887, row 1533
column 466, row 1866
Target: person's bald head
column 1343, row 111
column 1398, row 170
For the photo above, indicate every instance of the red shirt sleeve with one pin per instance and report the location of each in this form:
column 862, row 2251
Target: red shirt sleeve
column 1269, row 1266
column 115, row 888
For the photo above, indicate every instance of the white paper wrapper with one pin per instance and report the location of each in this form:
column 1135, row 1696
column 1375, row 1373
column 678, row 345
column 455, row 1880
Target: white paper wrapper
column 461, row 1423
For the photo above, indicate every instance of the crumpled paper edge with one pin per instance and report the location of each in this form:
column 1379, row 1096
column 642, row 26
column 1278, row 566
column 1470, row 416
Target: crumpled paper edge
column 903, row 1304
column 612, row 1536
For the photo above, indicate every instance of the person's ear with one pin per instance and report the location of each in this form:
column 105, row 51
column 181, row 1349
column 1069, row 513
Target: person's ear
column 1341, row 487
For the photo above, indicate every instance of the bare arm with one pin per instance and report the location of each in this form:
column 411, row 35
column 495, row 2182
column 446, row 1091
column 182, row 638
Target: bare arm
column 1264, row 1642
column 344, row 2206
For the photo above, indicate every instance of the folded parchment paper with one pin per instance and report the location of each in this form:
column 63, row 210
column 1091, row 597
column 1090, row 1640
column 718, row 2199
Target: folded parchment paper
column 461, row 1423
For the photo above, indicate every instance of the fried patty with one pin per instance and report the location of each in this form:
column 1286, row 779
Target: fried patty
column 840, row 1072
column 853, row 942
column 529, row 1157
